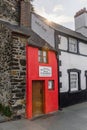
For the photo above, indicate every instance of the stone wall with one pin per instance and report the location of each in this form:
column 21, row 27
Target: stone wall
column 18, row 75
column 5, row 64
column 12, row 60
column 15, row 11
column 9, row 10
column 13, row 71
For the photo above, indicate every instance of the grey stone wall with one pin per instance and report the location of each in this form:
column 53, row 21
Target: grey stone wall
column 5, row 61
column 12, row 60
column 13, row 71
column 9, row 10
column 18, row 75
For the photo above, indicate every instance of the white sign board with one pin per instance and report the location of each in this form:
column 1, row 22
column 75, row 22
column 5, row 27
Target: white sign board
column 45, row 71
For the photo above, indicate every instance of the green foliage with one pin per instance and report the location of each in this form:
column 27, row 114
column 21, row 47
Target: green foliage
column 1, row 108
column 5, row 110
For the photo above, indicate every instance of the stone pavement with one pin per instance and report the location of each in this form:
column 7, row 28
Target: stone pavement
column 2, row 118
column 70, row 118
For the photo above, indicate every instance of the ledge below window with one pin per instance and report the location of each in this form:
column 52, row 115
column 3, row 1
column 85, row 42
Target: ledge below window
column 76, row 91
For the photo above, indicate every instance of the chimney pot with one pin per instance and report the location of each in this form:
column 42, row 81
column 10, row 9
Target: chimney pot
column 80, row 12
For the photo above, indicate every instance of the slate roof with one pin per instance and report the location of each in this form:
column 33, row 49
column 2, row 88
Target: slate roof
column 62, row 29
column 16, row 28
column 34, row 40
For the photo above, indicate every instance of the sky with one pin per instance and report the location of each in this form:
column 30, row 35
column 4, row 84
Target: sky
column 59, row 11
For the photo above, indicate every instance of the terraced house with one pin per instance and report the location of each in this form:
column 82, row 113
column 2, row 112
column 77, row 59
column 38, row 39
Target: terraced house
column 73, row 61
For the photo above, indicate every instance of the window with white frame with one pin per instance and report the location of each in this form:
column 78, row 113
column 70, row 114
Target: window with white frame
column 73, row 45
column 74, row 80
column 42, row 56
column 51, row 84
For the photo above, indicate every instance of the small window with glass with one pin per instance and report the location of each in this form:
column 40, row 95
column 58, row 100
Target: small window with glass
column 42, row 56
column 73, row 45
column 74, row 80
column 50, row 84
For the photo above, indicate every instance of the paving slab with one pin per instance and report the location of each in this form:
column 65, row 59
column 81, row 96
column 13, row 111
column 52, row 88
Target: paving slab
column 2, row 119
column 70, row 118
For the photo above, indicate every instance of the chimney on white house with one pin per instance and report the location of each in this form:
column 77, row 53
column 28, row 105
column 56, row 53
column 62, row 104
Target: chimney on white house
column 81, row 21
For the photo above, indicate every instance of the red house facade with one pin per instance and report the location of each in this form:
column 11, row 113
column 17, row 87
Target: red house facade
column 42, row 81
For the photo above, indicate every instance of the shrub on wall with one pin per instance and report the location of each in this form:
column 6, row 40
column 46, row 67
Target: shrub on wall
column 1, row 108
column 5, row 110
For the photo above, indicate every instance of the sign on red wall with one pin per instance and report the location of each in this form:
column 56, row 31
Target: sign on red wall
column 45, row 71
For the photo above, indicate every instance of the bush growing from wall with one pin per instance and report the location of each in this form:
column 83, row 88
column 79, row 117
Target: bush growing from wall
column 5, row 110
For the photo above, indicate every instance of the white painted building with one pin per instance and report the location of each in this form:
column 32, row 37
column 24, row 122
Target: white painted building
column 72, row 56
column 72, row 69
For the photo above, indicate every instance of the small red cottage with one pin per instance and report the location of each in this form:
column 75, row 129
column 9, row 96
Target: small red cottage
column 42, row 78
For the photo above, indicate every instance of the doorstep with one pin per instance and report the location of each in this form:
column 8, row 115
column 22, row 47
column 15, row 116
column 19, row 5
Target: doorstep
column 44, row 116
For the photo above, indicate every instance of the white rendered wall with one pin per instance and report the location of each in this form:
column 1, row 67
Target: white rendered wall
column 70, row 61
column 43, row 30
column 80, row 21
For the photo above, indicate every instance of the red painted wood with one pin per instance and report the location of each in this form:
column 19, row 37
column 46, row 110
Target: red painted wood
column 50, row 96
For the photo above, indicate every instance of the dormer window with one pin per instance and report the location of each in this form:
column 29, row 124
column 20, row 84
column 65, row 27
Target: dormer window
column 42, row 56
column 73, row 45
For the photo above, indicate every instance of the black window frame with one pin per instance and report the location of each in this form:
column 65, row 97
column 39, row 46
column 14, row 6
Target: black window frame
column 86, row 78
column 79, row 79
column 77, row 45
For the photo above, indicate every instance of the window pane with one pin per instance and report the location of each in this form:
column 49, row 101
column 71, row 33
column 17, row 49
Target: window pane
column 44, row 53
column 44, row 59
column 50, row 84
column 39, row 52
column 63, row 42
column 40, row 59
column 73, row 81
column 42, row 56
column 72, row 45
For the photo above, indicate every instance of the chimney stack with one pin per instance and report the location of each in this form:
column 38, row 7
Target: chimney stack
column 81, row 21
column 80, row 12
column 25, row 10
